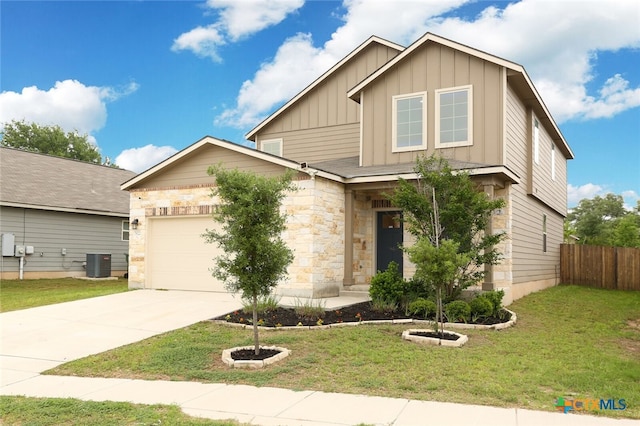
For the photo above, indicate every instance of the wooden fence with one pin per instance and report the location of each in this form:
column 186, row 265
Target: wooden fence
column 602, row 267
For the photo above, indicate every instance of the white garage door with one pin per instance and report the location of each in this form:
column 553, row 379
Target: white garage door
column 178, row 258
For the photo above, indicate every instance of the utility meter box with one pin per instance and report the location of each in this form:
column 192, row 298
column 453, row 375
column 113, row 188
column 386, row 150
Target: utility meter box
column 8, row 241
column 20, row 251
column 98, row 265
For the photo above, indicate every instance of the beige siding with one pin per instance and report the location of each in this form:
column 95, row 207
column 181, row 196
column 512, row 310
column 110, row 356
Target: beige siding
column 319, row 121
column 192, row 169
column 530, row 262
column 429, row 68
column 321, row 144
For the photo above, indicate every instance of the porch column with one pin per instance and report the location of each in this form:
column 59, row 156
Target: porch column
column 487, row 285
column 348, row 238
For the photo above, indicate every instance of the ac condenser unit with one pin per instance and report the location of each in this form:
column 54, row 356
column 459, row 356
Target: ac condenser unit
column 98, row 265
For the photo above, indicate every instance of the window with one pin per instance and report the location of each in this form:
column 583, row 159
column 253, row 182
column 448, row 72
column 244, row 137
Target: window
column 536, row 141
column 125, row 230
column 553, row 161
column 544, row 233
column 272, row 146
column 410, row 122
column 454, row 121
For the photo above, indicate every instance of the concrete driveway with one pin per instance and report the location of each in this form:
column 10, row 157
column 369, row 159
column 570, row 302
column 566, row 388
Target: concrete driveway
column 37, row 339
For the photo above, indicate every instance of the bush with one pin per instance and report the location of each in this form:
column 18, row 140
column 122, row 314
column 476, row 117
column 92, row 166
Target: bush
column 422, row 307
column 388, row 286
column 481, row 307
column 495, row 297
column 266, row 304
column 384, row 306
column 458, row 310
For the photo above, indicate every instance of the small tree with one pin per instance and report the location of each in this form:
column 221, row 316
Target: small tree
column 437, row 261
column 464, row 214
column 50, row 140
column 255, row 257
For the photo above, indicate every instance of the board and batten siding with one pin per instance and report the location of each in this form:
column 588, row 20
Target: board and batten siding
column 51, row 231
column 192, row 169
column 323, row 124
column 530, row 262
column 430, row 68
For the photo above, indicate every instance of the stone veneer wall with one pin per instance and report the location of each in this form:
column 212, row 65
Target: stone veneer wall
column 315, row 232
column 502, row 222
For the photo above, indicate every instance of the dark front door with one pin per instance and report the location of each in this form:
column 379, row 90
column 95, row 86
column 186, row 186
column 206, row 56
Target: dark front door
column 389, row 240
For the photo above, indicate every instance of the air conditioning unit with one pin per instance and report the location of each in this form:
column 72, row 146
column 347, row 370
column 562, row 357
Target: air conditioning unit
column 98, row 265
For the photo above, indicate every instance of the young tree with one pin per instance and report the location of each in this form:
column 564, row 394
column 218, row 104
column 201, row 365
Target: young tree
column 464, row 215
column 254, row 257
column 437, row 261
column 49, row 140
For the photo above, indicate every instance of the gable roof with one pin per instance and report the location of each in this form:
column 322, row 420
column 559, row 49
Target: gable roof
column 517, row 75
column 39, row 181
column 240, row 149
column 373, row 39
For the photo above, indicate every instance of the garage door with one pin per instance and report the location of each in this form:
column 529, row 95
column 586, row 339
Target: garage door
column 178, row 258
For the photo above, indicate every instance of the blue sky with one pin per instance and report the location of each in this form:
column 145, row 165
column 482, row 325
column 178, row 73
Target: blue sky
column 147, row 78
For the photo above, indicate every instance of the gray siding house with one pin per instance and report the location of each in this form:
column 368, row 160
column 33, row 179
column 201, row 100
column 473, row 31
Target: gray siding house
column 350, row 135
column 64, row 209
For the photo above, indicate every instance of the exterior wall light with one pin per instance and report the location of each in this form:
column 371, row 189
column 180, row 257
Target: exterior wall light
column 134, row 224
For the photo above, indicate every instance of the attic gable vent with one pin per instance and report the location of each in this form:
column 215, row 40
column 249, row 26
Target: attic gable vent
column 381, row 204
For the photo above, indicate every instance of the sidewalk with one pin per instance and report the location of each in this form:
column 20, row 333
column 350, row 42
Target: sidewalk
column 34, row 340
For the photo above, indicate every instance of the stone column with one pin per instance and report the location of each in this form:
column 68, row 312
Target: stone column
column 348, row 238
column 487, row 285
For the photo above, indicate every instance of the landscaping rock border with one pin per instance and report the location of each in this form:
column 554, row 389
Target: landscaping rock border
column 254, row 364
column 407, row 335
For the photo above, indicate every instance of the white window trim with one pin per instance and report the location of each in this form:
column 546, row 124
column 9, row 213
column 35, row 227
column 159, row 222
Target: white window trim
column 122, row 230
column 469, row 140
column 536, row 141
column 272, row 141
column 553, row 161
column 394, row 122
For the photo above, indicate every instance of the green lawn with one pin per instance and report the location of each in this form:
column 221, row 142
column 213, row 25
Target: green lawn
column 17, row 410
column 22, row 294
column 569, row 342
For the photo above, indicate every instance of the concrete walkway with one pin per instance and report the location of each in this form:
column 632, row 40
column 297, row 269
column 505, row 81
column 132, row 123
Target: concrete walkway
column 37, row 339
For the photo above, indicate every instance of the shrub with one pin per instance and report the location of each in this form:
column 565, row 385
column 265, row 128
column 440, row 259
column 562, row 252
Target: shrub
column 265, row 304
column 458, row 310
column 422, row 307
column 481, row 307
column 385, row 306
column 495, row 297
column 388, row 286
column 309, row 309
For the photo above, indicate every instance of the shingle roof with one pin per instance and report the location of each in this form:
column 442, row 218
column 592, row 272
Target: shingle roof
column 349, row 167
column 40, row 181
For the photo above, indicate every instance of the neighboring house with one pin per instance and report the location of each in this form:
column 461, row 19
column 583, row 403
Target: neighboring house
column 63, row 209
column 350, row 135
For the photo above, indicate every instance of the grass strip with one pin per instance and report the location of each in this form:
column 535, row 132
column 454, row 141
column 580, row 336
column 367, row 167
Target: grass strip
column 569, row 342
column 22, row 294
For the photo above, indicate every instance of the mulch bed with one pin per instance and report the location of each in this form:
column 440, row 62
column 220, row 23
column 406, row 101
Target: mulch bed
column 288, row 317
column 250, row 354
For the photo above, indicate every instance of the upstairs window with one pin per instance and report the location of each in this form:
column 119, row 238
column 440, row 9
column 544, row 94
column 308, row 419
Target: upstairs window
column 125, row 230
column 272, row 146
column 536, row 141
column 454, row 120
column 410, row 122
column 553, row 161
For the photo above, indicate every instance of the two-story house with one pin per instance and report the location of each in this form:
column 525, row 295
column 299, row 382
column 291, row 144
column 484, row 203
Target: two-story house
column 350, row 135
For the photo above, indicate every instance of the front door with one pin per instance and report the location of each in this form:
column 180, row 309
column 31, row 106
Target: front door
column 389, row 240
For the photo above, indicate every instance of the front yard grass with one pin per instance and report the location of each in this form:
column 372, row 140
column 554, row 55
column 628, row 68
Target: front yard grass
column 18, row 410
column 22, row 294
column 570, row 342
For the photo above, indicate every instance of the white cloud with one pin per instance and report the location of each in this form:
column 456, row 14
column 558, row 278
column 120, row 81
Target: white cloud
column 577, row 193
column 141, row 159
column 631, row 199
column 557, row 46
column 237, row 19
column 69, row 104
column 298, row 62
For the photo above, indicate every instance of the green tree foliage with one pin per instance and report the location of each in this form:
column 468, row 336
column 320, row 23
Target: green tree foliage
column 604, row 221
column 255, row 258
column 464, row 212
column 51, row 140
